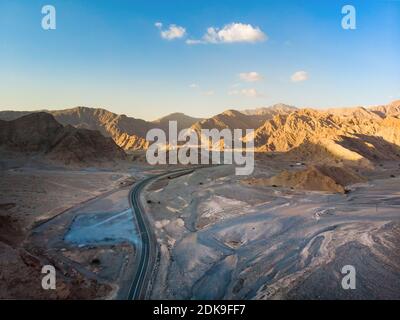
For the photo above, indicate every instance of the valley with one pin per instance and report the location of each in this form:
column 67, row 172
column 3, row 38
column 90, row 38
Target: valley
column 324, row 194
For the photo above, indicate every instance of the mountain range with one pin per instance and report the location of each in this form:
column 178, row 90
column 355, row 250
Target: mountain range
column 40, row 134
column 129, row 133
column 356, row 135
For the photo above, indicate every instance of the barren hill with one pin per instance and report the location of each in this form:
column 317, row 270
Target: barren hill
column 317, row 178
column 129, row 133
column 182, row 120
column 355, row 135
column 230, row 119
column 9, row 115
column 40, row 134
column 246, row 119
column 271, row 111
column 392, row 109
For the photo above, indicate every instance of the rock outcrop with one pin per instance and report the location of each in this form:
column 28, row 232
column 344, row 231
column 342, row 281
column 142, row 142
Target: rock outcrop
column 40, row 134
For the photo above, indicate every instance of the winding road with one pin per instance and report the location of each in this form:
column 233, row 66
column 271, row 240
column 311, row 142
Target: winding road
column 147, row 252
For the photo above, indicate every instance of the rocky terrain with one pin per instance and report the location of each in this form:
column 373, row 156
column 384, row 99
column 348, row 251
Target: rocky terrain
column 127, row 132
column 341, row 137
column 354, row 135
column 317, row 178
column 183, row 121
column 30, row 196
column 45, row 169
column 223, row 238
column 246, row 119
column 324, row 193
column 39, row 134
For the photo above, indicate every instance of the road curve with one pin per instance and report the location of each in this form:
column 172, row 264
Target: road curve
column 147, row 252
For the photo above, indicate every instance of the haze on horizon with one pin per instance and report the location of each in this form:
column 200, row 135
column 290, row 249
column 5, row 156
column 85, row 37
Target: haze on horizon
column 149, row 59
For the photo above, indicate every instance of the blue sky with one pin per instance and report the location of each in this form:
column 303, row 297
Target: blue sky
column 110, row 54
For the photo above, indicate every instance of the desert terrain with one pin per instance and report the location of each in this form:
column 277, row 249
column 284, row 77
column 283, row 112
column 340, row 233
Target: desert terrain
column 324, row 194
column 222, row 238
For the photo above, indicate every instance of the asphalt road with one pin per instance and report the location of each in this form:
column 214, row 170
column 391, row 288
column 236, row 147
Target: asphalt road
column 147, row 253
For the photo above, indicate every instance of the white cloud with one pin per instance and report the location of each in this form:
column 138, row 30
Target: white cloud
column 250, row 76
column 193, row 85
column 299, row 76
column 173, row 31
column 230, row 33
column 250, row 93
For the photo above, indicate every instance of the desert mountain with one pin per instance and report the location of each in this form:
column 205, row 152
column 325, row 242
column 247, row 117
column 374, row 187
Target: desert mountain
column 392, row 109
column 354, row 135
column 40, row 134
column 182, row 120
column 247, row 119
column 279, row 108
column 127, row 132
column 9, row 115
column 357, row 113
column 229, row 119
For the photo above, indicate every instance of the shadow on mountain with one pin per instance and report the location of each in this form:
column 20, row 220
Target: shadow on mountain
column 373, row 148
